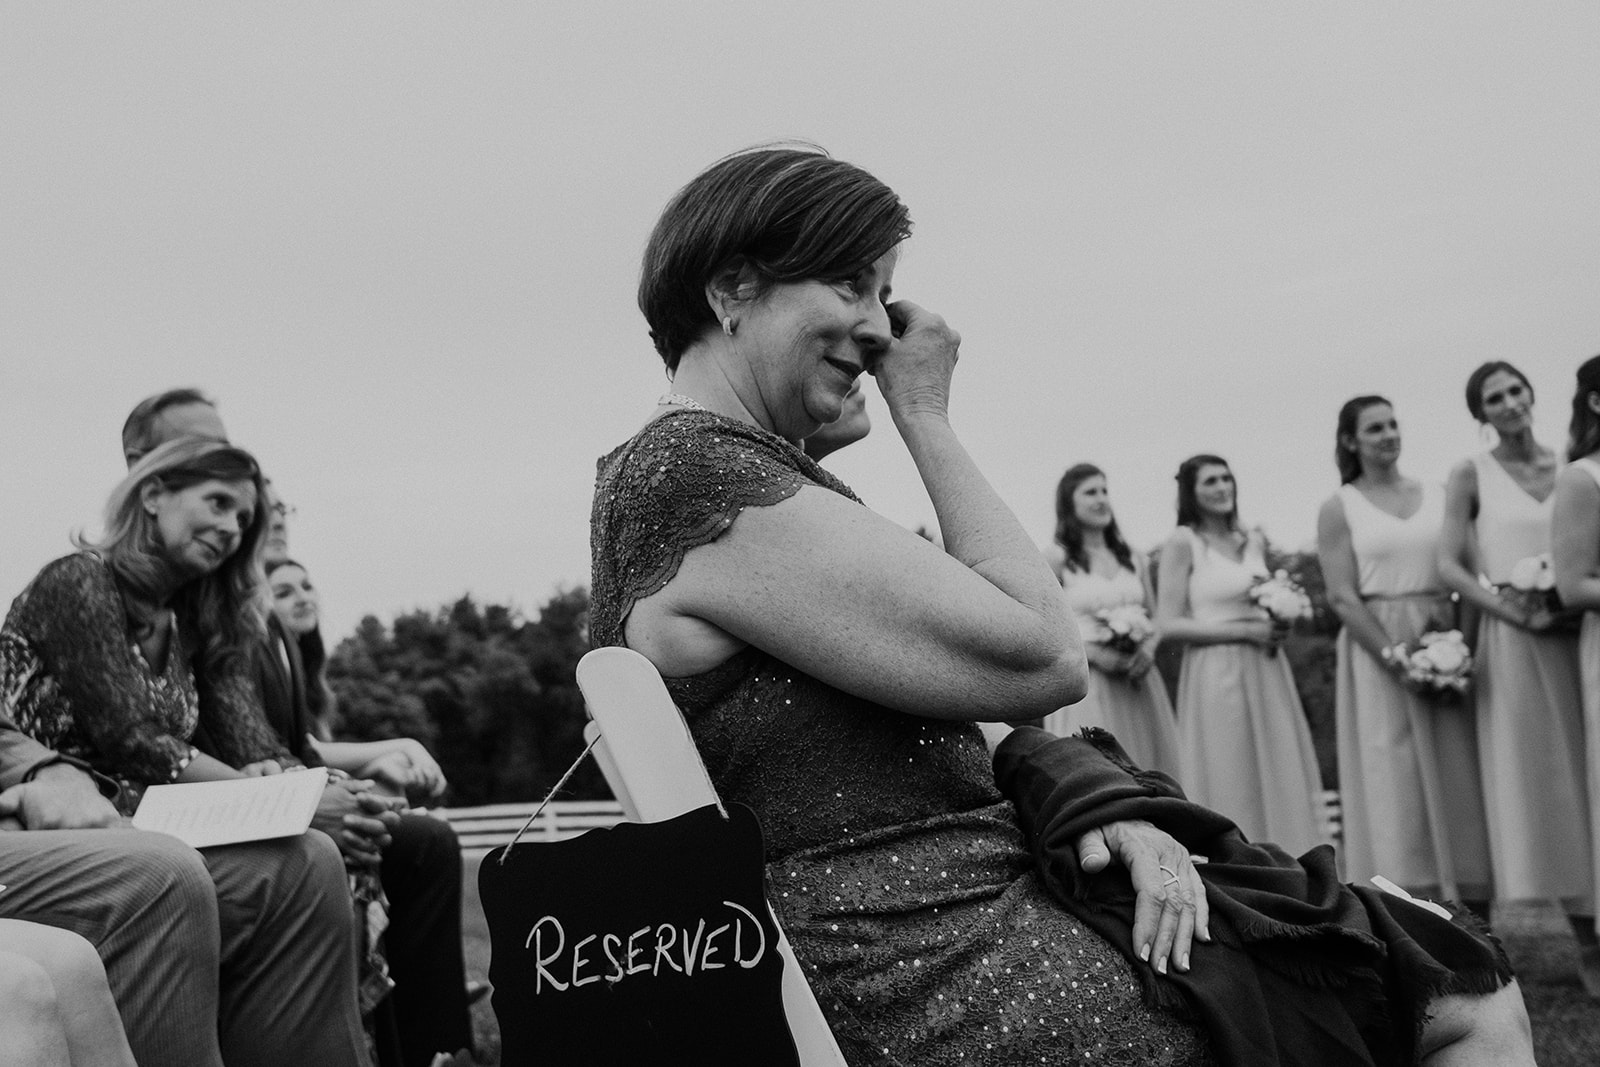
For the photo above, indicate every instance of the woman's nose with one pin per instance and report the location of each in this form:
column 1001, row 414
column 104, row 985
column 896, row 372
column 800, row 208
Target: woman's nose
column 873, row 332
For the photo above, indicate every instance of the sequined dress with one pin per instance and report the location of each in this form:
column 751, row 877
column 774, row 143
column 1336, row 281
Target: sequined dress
column 898, row 871
column 72, row 678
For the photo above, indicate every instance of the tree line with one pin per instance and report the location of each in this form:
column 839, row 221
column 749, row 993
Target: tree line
column 492, row 692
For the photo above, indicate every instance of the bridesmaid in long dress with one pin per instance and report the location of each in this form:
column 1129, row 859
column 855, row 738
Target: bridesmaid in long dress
column 1527, row 680
column 1413, row 802
column 1243, row 738
column 1099, row 572
column 1575, row 554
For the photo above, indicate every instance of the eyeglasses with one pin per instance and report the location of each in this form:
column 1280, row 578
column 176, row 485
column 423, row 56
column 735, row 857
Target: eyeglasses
column 284, row 511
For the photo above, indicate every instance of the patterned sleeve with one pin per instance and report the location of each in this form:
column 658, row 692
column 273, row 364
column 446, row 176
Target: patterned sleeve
column 72, row 618
column 234, row 722
column 679, row 484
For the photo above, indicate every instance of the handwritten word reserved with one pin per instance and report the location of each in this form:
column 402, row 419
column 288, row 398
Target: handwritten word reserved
column 638, row 953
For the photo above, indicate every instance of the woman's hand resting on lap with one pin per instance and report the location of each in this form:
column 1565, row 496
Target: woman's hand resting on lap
column 1167, row 915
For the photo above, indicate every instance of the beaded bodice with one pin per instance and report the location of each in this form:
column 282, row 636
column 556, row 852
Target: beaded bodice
column 816, row 763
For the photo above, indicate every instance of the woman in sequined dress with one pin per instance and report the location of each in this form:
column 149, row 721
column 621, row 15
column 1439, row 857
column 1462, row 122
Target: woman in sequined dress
column 1100, row 573
column 834, row 668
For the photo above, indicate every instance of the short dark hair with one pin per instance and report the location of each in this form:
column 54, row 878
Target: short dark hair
column 785, row 214
column 138, row 432
column 1583, row 435
column 1481, row 375
column 1069, row 532
column 1188, row 502
column 1348, row 462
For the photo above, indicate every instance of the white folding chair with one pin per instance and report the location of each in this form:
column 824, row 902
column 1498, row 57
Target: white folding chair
column 651, row 763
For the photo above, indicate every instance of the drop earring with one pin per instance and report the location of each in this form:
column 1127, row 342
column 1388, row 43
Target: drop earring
column 728, row 325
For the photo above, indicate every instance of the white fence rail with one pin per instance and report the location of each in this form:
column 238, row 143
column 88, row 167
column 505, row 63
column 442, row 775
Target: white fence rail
column 487, row 827
column 492, row 825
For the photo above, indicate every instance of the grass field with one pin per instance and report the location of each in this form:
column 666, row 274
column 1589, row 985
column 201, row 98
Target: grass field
column 1566, row 1024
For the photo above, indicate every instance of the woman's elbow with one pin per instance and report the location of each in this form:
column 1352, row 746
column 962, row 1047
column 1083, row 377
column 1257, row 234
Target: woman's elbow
column 1049, row 686
column 1073, row 672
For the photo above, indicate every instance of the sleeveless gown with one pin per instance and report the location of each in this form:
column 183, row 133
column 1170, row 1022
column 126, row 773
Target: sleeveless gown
column 1530, row 717
column 1138, row 713
column 1589, row 658
column 895, row 866
column 1408, row 766
column 1243, row 736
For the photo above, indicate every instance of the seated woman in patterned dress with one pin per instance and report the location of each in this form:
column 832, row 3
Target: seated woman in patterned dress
column 118, row 654
column 834, row 668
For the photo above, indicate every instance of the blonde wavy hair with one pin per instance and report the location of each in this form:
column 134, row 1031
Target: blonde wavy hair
column 220, row 611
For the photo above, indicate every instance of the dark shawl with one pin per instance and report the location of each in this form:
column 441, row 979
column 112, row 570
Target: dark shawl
column 1302, row 969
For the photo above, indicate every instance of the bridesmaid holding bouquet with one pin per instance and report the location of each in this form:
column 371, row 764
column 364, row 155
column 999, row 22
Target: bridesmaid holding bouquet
column 1575, row 557
column 1245, row 744
column 1529, row 702
column 1108, row 587
column 1408, row 760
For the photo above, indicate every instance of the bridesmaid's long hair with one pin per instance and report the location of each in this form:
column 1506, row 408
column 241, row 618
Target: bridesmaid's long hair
column 1583, row 436
column 1069, row 532
column 314, row 660
column 1188, row 503
column 1481, row 375
column 1348, row 460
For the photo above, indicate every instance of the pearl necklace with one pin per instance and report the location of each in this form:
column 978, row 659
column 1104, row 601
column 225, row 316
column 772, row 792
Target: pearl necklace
column 682, row 401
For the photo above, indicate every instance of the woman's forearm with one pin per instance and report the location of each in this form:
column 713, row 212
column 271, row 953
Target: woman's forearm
column 1188, row 631
column 352, row 756
column 1363, row 626
column 204, row 768
column 977, row 527
column 1457, row 579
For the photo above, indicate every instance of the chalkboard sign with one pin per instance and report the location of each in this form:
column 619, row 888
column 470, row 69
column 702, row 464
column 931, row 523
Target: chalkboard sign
column 645, row 943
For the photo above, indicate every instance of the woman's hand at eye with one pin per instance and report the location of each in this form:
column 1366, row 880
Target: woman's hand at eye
column 914, row 373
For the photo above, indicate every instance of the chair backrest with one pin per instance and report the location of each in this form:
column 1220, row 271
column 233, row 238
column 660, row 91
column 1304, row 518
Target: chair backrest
column 649, row 759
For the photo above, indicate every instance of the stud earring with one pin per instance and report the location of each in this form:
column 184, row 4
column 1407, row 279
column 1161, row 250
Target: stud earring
column 728, row 325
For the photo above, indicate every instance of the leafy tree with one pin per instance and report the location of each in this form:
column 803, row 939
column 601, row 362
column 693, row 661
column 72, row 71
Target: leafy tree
column 491, row 693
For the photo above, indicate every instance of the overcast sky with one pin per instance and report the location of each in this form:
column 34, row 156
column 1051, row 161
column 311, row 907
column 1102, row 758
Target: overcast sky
column 399, row 243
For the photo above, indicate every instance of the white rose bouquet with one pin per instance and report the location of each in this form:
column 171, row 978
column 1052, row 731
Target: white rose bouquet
column 1531, row 588
column 1281, row 598
column 1124, row 628
column 1439, row 667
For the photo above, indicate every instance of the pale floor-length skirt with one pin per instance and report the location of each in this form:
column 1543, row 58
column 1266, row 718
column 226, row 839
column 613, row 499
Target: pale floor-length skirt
column 1138, row 714
column 1409, row 781
column 1244, row 744
column 1531, row 748
column 1589, row 659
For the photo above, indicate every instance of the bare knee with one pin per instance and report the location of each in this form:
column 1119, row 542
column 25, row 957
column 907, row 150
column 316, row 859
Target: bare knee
column 75, row 968
column 1490, row 1030
column 31, row 1031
